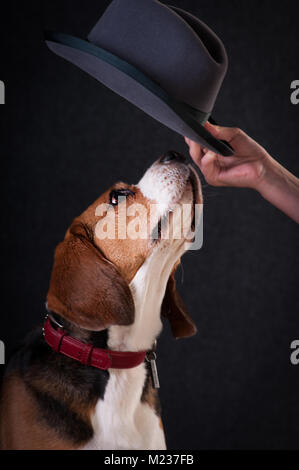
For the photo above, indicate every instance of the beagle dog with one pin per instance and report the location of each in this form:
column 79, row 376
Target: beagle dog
column 85, row 381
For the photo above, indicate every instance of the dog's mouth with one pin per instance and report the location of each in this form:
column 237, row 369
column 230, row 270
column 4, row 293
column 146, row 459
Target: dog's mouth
column 164, row 220
column 196, row 198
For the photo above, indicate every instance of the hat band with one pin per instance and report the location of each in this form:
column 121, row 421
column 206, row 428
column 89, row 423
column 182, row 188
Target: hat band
column 185, row 111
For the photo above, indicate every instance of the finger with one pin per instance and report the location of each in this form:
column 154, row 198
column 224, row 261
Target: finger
column 210, row 168
column 196, row 152
column 211, row 127
column 223, row 161
column 195, row 146
column 229, row 134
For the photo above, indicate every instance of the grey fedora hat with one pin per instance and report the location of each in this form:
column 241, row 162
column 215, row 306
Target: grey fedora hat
column 160, row 58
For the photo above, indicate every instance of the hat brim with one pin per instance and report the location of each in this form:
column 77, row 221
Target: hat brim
column 133, row 85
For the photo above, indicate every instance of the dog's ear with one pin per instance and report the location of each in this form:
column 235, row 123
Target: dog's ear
column 86, row 288
column 174, row 309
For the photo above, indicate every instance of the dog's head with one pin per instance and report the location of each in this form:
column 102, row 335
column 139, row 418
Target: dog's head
column 105, row 247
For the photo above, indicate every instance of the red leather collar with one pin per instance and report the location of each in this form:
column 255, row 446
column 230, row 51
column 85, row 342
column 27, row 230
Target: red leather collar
column 86, row 354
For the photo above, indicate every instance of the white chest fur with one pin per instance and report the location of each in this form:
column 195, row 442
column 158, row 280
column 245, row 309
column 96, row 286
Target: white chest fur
column 121, row 421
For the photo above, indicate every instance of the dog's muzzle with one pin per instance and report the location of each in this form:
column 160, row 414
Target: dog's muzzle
column 171, row 157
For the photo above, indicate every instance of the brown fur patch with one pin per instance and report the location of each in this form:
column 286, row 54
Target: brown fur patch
column 20, row 425
column 90, row 276
column 161, row 424
column 174, row 309
column 127, row 254
column 85, row 287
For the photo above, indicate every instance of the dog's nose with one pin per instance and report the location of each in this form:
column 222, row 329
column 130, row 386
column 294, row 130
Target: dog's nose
column 172, row 156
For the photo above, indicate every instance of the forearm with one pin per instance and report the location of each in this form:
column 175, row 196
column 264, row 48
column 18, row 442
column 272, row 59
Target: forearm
column 281, row 188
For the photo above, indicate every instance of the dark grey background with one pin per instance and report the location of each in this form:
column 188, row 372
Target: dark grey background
column 66, row 138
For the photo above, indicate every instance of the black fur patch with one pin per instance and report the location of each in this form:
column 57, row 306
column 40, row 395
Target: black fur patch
column 64, row 388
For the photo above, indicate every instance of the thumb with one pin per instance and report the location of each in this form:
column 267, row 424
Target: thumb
column 210, row 168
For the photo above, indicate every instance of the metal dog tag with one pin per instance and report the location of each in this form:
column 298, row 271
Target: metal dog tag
column 151, row 358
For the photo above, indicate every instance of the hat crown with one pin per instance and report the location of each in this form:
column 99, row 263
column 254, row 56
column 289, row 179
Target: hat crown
column 171, row 46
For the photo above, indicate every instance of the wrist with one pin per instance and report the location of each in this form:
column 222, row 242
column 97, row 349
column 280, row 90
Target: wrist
column 270, row 175
column 281, row 188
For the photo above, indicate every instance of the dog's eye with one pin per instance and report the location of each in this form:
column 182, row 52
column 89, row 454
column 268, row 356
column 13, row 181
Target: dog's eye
column 119, row 193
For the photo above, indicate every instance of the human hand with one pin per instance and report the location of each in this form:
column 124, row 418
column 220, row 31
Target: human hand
column 250, row 167
column 245, row 169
